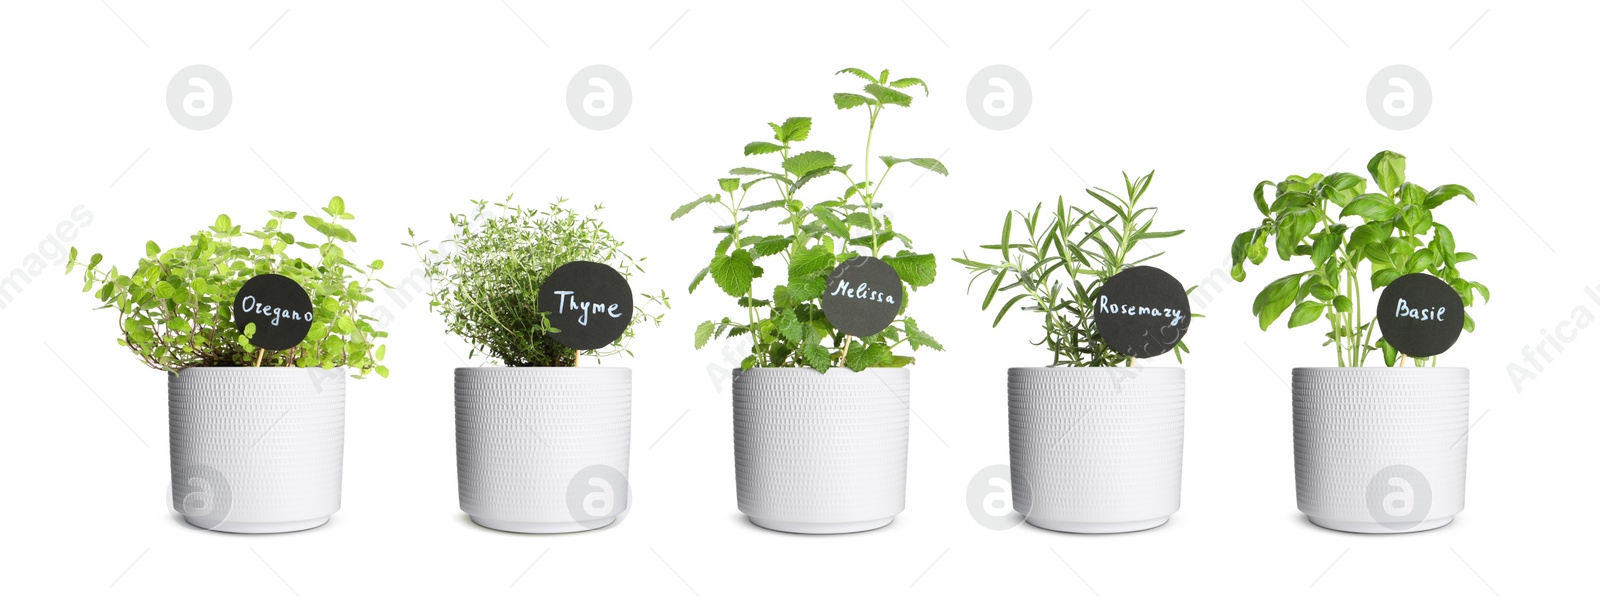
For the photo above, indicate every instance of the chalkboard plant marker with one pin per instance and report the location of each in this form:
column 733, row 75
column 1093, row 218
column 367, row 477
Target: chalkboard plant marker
column 256, row 331
column 1377, row 450
column 541, row 444
column 1096, row 442
column 821, row 403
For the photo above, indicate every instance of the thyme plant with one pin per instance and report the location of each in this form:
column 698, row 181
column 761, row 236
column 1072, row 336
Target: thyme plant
column 174, row 308
column 1059, row 268
column 485, row 278
column 1393, row 230
column 787, row 327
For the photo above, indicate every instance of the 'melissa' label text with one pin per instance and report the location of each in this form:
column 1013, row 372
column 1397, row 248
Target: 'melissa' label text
column 861, row 291
column 584, row 308
column 1404, row 310
column 1107, row 307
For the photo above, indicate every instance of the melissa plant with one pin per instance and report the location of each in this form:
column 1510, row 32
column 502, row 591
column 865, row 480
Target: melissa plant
column 787, row 327
column 1336, row 224
column 485, row 278
column 174, row 307
column 1060, row 265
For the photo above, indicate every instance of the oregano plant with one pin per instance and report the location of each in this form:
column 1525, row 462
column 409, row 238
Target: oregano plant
column 1056, row 267
column 787, row 326
column 485, row 278
column 174, row 307
column 1336, row 224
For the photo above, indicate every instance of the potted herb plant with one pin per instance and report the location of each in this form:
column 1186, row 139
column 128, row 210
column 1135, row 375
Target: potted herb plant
column 257, row 435
column 541, row 444
column 1377, row 450
column 1096, row 442
column 821, row 404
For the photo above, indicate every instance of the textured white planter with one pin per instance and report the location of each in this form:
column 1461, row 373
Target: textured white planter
column 1380, row 450
column 256, row 449
column 533, row 443
column 1096, row 450
column 821, row 453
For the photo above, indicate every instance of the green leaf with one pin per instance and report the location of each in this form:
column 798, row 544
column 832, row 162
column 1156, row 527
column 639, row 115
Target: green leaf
column 908, row 82
column 810, row 262
column 728, row 185
column 1446, row 238
column 859, row 73
column 789, row 327
column 794, row 129
column 1444, row 193
column 698, row 278
column 151, row 249
column 1305, row 313
column 915, row 270
column 846, row 101
column 1273, row 300
column 335, row 206
column 688, row 207
column 929, row 163
column 1323, row 246
column 886, row 95
column 1383, row 277
column 702, row 334
column 1007, row 308
column 1420, row 262
column 345, row 324
column 1483, row 290
column 816, row 357
column 1390, row 355
column 734, row 272
column 1412, row 194
column 918, row 338
column 1261, row 200
column 761, row 148
column 807, row 162
column 1372, row 207
column 1342, row 304
column 1388, row 169
column 770, row 245
column 1416, row 219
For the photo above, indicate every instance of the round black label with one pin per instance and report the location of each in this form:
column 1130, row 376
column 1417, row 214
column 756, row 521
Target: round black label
column 863, row 296
column 1420, row 315
column 1142, row 312
column 278, row 306
column 590, row 303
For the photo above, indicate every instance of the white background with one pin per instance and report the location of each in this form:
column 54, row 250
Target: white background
column 409, row 110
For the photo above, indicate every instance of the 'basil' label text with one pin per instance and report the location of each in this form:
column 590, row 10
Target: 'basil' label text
column 1420, row 315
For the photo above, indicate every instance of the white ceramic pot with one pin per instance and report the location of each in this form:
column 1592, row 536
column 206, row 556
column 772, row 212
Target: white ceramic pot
column 256, row 449
column 543, row 449
column 821, row 453
column 1096, row 450
column 1379, row 449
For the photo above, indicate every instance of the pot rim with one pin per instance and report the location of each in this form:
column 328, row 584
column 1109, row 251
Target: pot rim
column 1070, row 368
column 1374, row 368
column 810, row 371
column 257, row 370
column 508, row 368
